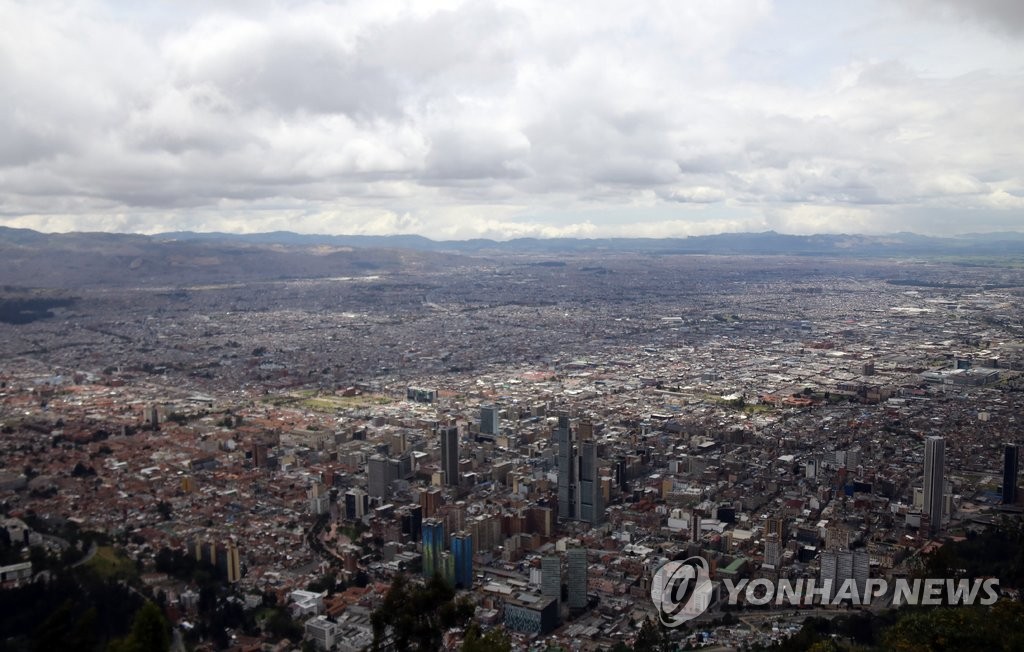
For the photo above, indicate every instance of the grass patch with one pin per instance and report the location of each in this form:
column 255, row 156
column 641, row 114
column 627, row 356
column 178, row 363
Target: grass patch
column 110, row 564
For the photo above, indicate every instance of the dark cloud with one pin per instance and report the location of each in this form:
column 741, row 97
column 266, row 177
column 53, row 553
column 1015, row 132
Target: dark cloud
column 1001, row 16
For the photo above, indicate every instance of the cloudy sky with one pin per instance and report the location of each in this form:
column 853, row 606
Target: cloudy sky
column 502, row 119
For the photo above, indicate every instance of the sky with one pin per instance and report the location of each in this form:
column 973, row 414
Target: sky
column 456, row 120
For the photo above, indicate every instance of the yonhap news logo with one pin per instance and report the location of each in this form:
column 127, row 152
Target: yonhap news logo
column 682, row 590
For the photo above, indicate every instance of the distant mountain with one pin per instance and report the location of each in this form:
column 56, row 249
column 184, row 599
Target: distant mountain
column 78, row 259
column 766, row 243
column 70, row 260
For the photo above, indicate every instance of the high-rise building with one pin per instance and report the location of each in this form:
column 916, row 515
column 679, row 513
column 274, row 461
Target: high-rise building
column 462, row 552
column 319, row 499
column 576, row 570
column 450, row 455
column 579, row 482
column 861, row 570
column 430, row 501
column 259, row 455
column 490, row 420
column 566, row 470
column 223, row 557
column 843, row 565
column 446, row 564
column 486, row 531
column 232, row 567
column 433, row 546
column 934, row 480
column 1011, row 467
column 412, row 522
column 380, row 473
column 356, row 504
column 591, row 500
column 551, row 577
column 774, row 540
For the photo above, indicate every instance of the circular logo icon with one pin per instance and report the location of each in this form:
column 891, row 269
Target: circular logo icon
column 681, row 590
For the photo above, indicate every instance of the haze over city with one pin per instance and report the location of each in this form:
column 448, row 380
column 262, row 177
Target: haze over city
column 504, row 119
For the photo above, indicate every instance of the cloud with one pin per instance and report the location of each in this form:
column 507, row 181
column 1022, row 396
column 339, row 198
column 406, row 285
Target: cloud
column 1001, row 16
column 488, row 119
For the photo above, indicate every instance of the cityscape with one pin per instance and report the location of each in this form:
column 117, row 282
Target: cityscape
column 540, row 433
column 511, row 326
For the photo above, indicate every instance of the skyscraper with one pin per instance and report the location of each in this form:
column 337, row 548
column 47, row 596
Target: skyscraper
column 773, row 542
column 380, row 473
column 1011, row 466
column 576, row 565
column 934, row 480
column 579, row 483
column 462, row 551
column 430, row 500
column 433, row 546
column 840, row 566
column 551, row 577
column 566, row 470
column 490, row 423
column 450, row 455
column 356, row 504
column 591, row 500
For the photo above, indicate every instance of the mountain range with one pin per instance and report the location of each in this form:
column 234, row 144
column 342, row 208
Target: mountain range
column 35, row 259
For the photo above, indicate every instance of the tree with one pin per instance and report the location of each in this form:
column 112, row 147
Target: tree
column 280, row 625
column 414, row 616
column 493, row 641
column 652, row 638
column 150, row 632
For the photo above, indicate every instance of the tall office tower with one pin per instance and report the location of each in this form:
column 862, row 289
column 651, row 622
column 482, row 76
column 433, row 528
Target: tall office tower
column 934, row 480
column 259, row 455
column 319, row 499
column 430, row 501
column 357, row 502
column 490, row 423
column 585, row 430
column 462, row 552
column 412, row 522
column 591, row 501
column 621, row 478
column 772, row 551
column 1011, row 466
column 232, row 563
column 576, row 566
column 380, row 473
column 773, row 542
column 843, row 565
column 827, row 572
column 695, row 526
column 446, row 567
column 433, row 546
column 450, row 455
column 551, row 577
column 861, row 569
column 566, row 470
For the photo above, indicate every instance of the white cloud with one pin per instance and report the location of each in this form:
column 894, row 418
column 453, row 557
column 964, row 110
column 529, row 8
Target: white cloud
column 502, row 119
